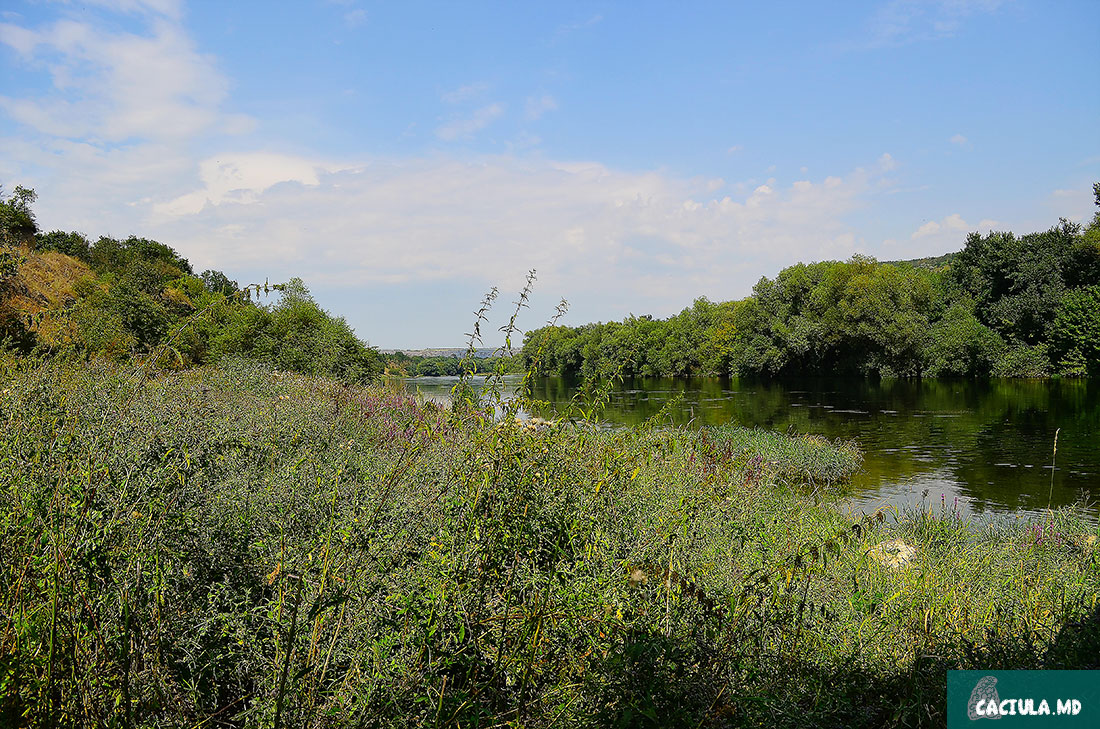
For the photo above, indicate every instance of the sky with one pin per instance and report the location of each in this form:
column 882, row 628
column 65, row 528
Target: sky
column 404, row 158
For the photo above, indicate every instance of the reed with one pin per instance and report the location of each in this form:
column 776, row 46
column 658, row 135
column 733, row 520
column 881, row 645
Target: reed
column 1053, row 466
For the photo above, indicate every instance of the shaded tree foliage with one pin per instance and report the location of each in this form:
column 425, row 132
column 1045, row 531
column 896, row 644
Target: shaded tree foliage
column 1018, row 283
column 218, row 282
column 298, row 335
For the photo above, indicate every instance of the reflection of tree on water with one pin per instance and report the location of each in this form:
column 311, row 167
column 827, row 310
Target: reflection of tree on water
column 990, row 441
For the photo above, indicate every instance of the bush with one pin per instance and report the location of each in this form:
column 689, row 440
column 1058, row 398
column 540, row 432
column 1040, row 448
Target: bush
column 296, row 335
column 1021, row 360
column 71, row 244
column 961, row 346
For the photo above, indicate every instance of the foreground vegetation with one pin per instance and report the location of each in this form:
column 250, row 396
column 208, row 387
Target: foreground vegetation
column 235, row 546
column 1005, row 305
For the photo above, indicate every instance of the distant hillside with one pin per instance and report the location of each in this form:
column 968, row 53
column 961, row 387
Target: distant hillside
column 481, row 353
column 934, row 263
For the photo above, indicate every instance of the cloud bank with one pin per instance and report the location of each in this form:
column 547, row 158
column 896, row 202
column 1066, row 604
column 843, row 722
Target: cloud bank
column 583, row 225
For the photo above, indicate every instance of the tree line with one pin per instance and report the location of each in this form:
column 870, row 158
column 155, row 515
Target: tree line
column 400, row 364
column 138, row 297
column 1003, row 306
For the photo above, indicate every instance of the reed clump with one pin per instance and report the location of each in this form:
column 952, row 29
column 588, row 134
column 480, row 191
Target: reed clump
column 242, row 547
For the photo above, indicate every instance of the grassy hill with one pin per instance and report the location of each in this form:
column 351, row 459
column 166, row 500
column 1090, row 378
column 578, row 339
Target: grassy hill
column 44, row 284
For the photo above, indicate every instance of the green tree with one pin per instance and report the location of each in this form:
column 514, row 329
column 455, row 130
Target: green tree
column 298, row 335
column 109, row 255
column 1018, row 282
column 961, row 346
column 429, row 367
column 1075, row 334
column 218, row 282
column 17, row 222
column 1084, row 264
column 17, row 229
column 71, row 244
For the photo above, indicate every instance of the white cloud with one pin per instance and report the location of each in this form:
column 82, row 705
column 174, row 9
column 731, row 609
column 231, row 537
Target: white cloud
column 958, row 139
column 115, row 131
column 734, row 149
column 1076, row 205
column 523, row 141
column 905, row 21
column 465, row 127
column 92, row 188
column 355, row 18
column 948, row 234
column 886, row 162
column 19, row 39
column 464, row 93
column 953, row 222
column 538, row 105
column 241, row 178
column 929, row 228
column 119, row 86
column 168, row 8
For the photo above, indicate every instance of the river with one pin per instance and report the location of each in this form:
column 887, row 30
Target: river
column 990, row 444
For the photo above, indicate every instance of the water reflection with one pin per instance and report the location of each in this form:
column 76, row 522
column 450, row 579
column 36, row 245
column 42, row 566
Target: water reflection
column 987, row 443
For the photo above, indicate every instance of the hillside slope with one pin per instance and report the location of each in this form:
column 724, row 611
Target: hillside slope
column 44, row 281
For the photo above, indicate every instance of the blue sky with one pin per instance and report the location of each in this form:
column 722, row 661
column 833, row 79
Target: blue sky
column 404, row 157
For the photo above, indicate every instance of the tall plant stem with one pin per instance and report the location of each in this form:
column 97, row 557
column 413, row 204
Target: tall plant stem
column 286, row 659
column 1053, row 462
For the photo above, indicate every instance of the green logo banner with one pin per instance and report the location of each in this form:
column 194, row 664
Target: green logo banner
column 1023, row 698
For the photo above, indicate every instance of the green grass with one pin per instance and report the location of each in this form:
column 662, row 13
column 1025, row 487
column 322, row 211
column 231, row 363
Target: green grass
column 238, row 547
column 808, row 459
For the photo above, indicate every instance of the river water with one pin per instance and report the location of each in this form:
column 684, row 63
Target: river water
column 990, row 444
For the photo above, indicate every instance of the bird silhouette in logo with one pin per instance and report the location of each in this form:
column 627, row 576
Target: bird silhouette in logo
column 986, row 689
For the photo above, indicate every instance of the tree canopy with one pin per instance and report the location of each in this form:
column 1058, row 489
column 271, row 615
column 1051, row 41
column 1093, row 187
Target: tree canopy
column 1004, row 305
